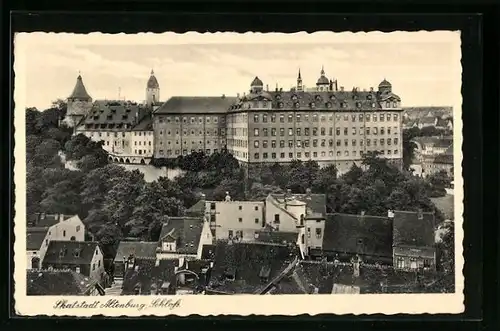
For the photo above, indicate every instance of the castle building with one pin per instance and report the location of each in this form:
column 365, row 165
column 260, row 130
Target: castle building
column 323, row 124
column 79, row 104
column 124, row 127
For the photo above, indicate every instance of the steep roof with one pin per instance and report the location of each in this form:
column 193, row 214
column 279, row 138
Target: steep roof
column 35, row 237
column 145, row 124
column 79, row 92
column 41, row 220
column 152, row 81
column 195, row 105
column 411, row 231
column 246, row 261
column 360, row 234
column 276, row 237
column 256, row 82
column 186, row 231
column 70, row 252
column 320, row 100
column 57, row 282
column 198, row 208
column 140, row 250
column 109, row 114
column 428, row 120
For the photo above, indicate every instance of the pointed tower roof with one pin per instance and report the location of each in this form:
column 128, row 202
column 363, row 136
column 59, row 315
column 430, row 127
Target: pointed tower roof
column 153, row 82
column 299, row 77
column 79, row 92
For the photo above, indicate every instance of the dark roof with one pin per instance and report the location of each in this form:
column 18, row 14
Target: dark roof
column 418, row 112
column 256, row 82
column 444, row 159
column 45, row 220
column 364, row 235
column 152, row 81
column 196, row 105
column 113, row 114
column 322, row 80
column 57, row 282
column 186, row 231
column 320, row 100
column 384, row 83
column 198, row 208
column 166, row 269
column 146, row 124
column 246, row 260
column 79, row 92
column 443, row 143
column 276, row 237
column 140, row 250
column 208, row 252
column 70, row 252
column 428, row 120
column 414, row 232
column 35, row 237
column 315, row 203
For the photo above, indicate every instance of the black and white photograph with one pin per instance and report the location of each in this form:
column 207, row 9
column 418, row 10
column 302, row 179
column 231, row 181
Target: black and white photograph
column 163, row 168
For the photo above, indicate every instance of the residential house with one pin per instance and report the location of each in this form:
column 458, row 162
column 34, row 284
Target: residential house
column 343, row 236
column 184, row 237
column 83, row 257
column 43, row 228
column 249, row 267
column 131, row 254
column 427, row 122
column 440, row 162
column 414, row 240
column 61, row 282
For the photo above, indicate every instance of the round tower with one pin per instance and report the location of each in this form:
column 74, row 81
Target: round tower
column 152, row 90
column 385, row 87
column 79, row 104
column 257, row 86
column 323, row 83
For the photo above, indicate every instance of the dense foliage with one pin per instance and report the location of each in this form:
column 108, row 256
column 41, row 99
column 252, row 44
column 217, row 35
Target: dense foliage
column 116, row 203
column 409, row 146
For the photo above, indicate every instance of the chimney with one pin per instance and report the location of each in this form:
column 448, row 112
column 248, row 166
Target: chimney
column 390, row 213
column 223, row 96
column 371, row 89
column 77, row 269
column 202, row 197
column 362, row 213
column 228, row 197
column 420, row 215
column 61, row 217
column 341, row 89
column 267, row 87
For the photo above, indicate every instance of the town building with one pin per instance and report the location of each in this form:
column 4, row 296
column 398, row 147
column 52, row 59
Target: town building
column 432, row 155
column 325, row 124
column 414, row 240
column 43, row 228
column 184, row 237
column 132, row 254
column 79, row 104
column 61, row 282
column 183, row 125
column 83, row 257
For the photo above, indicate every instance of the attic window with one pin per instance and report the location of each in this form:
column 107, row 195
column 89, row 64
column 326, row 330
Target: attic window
column 297, row 105
column 318, row 98
column 127, row 110
column 76, row 253
column 360, row 241
column 62, row 252
column 281, row 104
column 313, row 105
column 96, row 117
column 294, row 97
column 329, row 105
column 369, row 96
column 278, row 97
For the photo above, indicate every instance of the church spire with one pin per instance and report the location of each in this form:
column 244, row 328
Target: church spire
column 322, row 70
column 299, row 82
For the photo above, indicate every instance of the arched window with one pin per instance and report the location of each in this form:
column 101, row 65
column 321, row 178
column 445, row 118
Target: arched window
column 302, row 219
column 35, row 262
column 73, row 238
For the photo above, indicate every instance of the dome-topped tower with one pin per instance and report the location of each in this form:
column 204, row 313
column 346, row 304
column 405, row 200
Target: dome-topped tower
column 385, row 86
column 323, row 82
column 152, row 90
column 257, row 85
column 79, row 104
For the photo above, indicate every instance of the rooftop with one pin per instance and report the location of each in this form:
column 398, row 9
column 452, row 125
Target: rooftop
column 70, row 252
column 411, row 231
column 359, row 234
column 195, row 105
column 113, row 114
column 79, row 92
column 139, row 249
column 35, row 237
column 315, row 203
column 57, row 282
column 41, row 220
column 186, row 231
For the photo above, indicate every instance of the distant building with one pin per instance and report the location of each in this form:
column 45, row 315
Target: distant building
column 132, row 254
column 61, row 282
column 432, row 155
column 414, row 240
column 79, row 104
column 44, row 228
column 79, row 256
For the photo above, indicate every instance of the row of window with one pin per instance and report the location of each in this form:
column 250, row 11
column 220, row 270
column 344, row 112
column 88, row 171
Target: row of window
column 192, row 120
column 323, row 143
column 216, row 132
column 140, row 133
column 184, row 151
column 142, row 151
column 208, row 142
column 296, row 104
column 323, row 154
column 322, row 131
column 315, row 117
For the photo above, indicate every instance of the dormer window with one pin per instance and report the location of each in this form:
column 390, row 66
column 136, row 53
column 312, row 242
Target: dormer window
column 109, row 117
column 294, row 97
column 313, row 105
column 76, row 253
column 369, row 97
column 297, row 105
column 329, row 105
column 395, row 104
column 332, row 97
column 318, row 98
column 373, row 104
column 278, row 97
column 358, row 104
column 264, row 104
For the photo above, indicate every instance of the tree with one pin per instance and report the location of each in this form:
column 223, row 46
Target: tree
column 31, row 115
column 439, row 181
column 62, row 198
column 97, row 183
column 109, row 236
column 46, row 154
column 233, row 186
column 325, row 179
column 259, row 191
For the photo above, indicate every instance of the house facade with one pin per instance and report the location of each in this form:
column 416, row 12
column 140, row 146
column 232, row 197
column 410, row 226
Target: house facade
column 42, row 229
column 79, row 256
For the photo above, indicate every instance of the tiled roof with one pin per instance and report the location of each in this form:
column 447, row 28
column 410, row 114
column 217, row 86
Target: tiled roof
column 70, row 252
column 256, row 82
column 140, row 250
column 316, row 203
column 440, row 142
column 276, row 237
column 152, row 81
column 189, row 105
column 57, row 282
column 187, row 232
column 45, row 220
column 113, row 114
column 79, row 92
column 35, row 237
column 146, row 124
column 356, row 234
column 197, row 209
column 411, row 231
column 320, row 100
column 246, row 261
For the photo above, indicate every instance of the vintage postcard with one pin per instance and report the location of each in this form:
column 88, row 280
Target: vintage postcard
column 161, row 174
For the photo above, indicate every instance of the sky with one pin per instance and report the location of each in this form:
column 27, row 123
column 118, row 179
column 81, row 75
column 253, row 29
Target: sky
column 423, row 67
